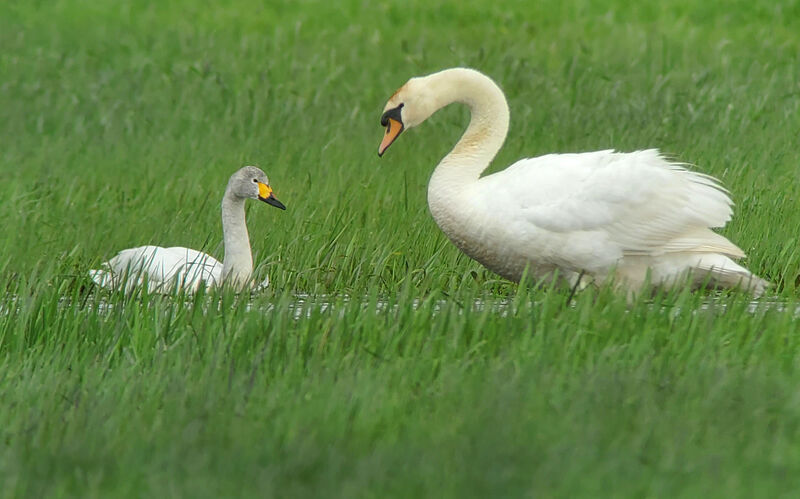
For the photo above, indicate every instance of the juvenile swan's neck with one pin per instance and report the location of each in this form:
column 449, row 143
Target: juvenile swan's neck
column 484, row 136
column 237, row 267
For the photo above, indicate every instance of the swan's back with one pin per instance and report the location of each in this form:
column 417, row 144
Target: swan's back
column 163, row 269
column 639, row 203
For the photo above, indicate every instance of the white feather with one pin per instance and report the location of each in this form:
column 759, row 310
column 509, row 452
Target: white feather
column 161, row 269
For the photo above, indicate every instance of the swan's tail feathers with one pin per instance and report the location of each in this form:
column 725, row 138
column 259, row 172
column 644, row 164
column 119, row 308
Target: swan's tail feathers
column 703, row 241
column 725, row 273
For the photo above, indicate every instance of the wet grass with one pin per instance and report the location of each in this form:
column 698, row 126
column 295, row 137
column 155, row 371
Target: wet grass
column 121, row 124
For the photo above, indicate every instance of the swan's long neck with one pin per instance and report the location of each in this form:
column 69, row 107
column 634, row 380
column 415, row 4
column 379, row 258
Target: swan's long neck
column 237, row 267
column 484, row 136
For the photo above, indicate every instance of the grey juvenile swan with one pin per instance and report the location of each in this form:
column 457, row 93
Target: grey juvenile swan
column 169, row 269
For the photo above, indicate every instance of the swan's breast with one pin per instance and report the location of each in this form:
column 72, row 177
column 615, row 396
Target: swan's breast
column 487, row 238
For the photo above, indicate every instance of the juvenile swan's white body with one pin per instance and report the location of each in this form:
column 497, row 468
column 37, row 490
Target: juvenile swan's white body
column 170, row 269
column 631, row 217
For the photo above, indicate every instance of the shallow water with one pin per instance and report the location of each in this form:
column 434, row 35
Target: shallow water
column 304, row 305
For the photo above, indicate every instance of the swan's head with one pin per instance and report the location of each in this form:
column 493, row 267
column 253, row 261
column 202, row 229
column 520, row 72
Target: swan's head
column 412, row 104
column 251, row 182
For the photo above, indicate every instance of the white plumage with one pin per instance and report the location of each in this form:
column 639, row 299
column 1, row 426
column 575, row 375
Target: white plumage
column 602, row 215
column 161, row 269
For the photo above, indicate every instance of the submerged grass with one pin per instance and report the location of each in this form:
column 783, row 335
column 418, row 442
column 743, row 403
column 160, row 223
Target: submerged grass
column 122, row 122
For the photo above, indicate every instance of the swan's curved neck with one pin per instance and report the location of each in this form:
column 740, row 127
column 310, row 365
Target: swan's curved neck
column 237, row 265
column 485, row 134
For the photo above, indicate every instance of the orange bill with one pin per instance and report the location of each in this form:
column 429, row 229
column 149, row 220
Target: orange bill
column 393, row 129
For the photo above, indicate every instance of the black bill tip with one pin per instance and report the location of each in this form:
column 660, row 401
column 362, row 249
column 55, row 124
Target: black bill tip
column 273, row 201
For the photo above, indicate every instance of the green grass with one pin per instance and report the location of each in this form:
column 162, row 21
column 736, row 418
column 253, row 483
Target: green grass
column 121, row 122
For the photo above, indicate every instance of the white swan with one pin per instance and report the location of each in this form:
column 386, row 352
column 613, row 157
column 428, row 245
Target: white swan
column 167, row 269
column 630, row 217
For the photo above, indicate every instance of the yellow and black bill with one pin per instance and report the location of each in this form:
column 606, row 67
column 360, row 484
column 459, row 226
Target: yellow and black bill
column 265, row 194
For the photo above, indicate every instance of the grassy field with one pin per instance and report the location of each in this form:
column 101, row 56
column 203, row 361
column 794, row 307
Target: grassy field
column 381, row 362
